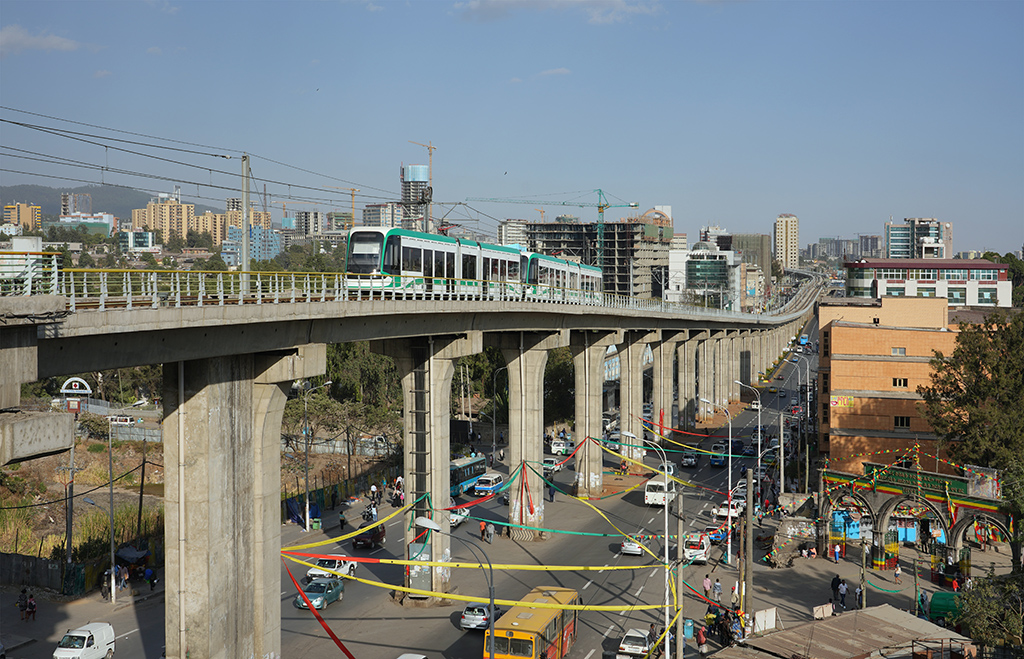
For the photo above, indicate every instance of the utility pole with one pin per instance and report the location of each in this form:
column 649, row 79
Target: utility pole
column 917, row 595
column 748, row 586
column 243, row 260
column 680, row 641
column 863, row 583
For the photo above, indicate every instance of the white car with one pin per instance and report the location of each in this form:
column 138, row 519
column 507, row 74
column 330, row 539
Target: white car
column 667, row 468
column 336, row 563
column 551, row 466
column 458, row 515
column 634, row 643
column 634, row 545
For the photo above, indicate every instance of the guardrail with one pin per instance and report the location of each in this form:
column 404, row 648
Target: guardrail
column 106, row 289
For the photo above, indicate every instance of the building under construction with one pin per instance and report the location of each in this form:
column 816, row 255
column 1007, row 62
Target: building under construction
column 632, row 253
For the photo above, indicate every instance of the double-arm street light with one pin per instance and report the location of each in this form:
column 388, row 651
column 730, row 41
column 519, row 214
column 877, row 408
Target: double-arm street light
column 760, row 432
column 431, row 525
column 305, row 433
column 728, row 502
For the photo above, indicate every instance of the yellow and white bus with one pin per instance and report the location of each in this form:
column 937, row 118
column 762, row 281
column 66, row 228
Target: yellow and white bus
column 532, row 632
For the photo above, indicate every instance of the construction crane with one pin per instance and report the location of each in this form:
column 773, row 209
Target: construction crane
column 541, row 211
column 601, row 205
column 353, row 191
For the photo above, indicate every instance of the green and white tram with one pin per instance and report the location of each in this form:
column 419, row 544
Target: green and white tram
column 399, row 263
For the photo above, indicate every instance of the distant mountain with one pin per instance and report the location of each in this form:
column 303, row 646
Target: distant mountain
column 117, row 201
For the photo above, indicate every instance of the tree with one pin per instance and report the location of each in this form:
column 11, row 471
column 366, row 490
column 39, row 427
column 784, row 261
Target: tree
column 974, row 402
column 559, row 386
column 993, row 611
column 975, row 406
column 85, row 260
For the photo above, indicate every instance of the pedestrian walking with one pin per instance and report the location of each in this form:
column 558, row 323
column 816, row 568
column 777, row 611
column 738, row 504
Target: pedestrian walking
column 23, row 603
column 835, row 587
column 735, row 595
column 707, row 586
column 652, row 634
column 897, row 572
column 373, row 493
column 483, row 530
column 30, row 608
column 836, row 551
column 956, row 585
column 702, row 641
column 843, row 589
column 551, row 492
column 150, row 577
column 860, row 597
column 717, row 591
column 490, row 532
column 373, row 512
column 501, row 437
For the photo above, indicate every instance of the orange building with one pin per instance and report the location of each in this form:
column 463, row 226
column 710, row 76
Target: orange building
column 873, row 356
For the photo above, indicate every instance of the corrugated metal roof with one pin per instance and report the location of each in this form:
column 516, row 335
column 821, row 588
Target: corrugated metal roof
column 850, row 635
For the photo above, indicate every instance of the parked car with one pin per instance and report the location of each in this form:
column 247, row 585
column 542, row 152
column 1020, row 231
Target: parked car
column 634, row 545
column 92, row 641
column 488, row 483
column 634, row 643
column 477, row 616
column 321, row 592
column 370, row 538
column 337, row 564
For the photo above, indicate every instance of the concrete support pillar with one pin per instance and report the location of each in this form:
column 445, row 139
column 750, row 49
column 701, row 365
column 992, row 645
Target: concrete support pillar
column 704, row 376
column 223, row 492
column 631, row 380
column 526, row 354
column 588, row 351
column 686, row 364
column 720, row 369
column 426, row 367
column 664, row 376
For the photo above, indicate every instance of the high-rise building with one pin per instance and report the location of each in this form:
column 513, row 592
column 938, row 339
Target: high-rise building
column 416, row 196
column 165, row 214
column 870, row 246
column 755, row 249
column 388, row 215
column 27, row 216
column 512, row 232
column 787, row 240
column 918, row 238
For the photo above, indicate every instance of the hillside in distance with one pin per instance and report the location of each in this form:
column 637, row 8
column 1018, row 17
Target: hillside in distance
column 116, row 200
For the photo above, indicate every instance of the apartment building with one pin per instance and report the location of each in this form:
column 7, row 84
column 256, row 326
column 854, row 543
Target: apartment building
column 27, row 216
column 919, row 238
column 872, row 357
column 787, row 240
column 165, row 214
column 512, row 232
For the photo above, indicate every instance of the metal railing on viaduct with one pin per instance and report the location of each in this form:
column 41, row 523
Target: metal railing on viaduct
column 231, row 344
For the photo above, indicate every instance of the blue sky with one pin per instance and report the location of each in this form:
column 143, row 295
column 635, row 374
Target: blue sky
column 842, row 113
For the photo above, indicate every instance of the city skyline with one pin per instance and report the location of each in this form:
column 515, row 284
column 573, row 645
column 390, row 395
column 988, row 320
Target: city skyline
column 842, row 114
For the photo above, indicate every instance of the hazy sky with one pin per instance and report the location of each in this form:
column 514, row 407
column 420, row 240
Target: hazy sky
column 842, row 113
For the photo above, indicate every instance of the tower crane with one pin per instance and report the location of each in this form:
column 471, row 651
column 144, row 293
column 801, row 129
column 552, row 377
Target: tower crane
column 601, row 205
column 541, row 211
column 353, row 191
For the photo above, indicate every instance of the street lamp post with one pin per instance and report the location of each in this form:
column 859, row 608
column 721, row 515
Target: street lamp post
column 305, row 434
column 728, row 541
column 679, row 545
column 431, row 525
column 760, row 432
column 113, row 583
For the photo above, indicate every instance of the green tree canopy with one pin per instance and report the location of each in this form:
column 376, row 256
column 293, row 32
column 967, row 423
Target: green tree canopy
column 974, row 402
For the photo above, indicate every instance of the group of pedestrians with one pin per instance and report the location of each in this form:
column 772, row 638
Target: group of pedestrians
column 27, row 605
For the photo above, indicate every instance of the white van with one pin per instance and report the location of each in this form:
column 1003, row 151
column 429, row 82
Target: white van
column 697, row 548
column 92, row 641
column 655, row 493
column 561, row 447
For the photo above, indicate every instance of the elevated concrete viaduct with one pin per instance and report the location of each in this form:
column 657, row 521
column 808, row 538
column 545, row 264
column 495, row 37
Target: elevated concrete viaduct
column 227, row 369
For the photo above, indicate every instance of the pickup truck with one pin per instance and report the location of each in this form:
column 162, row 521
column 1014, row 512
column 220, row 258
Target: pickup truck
column 727, row 510
column 337, row 565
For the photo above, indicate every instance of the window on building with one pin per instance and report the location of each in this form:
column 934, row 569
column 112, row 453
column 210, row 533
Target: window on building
column 895, row 291
column 953, row 273
column 985, row 275
column 899, row 383
column 987, row 296
column 824, row 383
column 899, row 352
column 892, row 273
column 824, row 344
column 901, row 423
column 922, row 273
column 824, row 413
column 957, row 295
column 926, row 291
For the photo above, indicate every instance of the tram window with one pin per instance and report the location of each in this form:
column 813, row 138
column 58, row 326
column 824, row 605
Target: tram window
column 392, row 252
column 412, row 259
column 439, row 264
column 428, row 263
column 513, row 270
column 487, row 268
column 449, row 261
column 469, row 266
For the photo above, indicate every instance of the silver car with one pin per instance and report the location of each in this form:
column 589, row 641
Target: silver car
column 634, row 545
column 477, row 615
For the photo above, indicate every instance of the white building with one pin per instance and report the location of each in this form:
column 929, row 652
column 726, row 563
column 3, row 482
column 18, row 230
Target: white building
column 962, row 282
column 387, row 215
column 512, row 232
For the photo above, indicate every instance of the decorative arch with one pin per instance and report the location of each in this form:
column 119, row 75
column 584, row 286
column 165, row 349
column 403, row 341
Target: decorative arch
column 658, row 217
column 955, row 537
column 841, row 492
column 890, row 505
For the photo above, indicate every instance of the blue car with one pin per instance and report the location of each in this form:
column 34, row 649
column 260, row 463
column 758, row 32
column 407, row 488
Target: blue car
column 321, row 592
column 715, row 533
